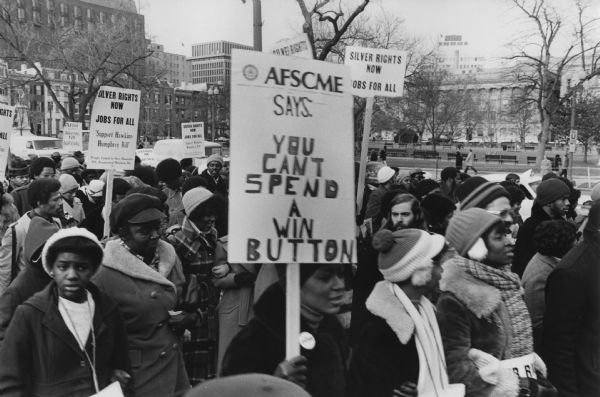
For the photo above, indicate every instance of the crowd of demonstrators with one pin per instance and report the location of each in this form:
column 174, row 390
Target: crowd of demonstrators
column 437, row 294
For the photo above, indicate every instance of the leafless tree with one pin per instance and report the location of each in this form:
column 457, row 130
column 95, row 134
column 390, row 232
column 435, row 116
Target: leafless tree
column 541, row 67
column 88, row 54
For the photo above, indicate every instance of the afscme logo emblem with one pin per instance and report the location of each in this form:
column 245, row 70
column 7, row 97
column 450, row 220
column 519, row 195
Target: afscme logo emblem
column 250, row 72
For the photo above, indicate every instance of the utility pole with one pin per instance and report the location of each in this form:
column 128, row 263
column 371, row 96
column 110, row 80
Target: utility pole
column 257, row 23
column 257, row 17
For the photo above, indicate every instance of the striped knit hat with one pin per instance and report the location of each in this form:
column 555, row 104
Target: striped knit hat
column 478, row 192
column 467, row 226
column 405, row 251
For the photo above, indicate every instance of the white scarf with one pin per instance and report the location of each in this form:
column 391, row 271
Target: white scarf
column 432, row 363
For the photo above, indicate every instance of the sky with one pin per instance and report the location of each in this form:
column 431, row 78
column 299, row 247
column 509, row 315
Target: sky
column 488, row 25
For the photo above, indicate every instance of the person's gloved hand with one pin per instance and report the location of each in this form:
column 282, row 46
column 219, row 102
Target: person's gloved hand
column 118, row 375
column 407, row 389
column 293, row 370
column 179, row 322
column 539, row 387
column 244, row 279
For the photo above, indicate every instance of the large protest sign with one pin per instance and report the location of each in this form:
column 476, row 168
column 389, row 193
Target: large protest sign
column 113, row 129
column 376, row 72
column 297, row 46
column 193, row 139
column 6, row 124
column 292, row 166
column 72, row 136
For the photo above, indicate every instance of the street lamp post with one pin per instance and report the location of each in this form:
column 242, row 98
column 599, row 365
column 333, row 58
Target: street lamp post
column 213, row 91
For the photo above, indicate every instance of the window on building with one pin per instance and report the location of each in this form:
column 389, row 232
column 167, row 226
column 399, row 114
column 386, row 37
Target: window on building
column 21, row 14
column 37, row 17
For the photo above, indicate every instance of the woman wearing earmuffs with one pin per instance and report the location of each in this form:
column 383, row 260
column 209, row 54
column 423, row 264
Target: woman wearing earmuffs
column 481, row 313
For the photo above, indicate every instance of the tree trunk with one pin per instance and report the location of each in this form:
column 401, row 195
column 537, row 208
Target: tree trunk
column 585, row 151
column 541, row 152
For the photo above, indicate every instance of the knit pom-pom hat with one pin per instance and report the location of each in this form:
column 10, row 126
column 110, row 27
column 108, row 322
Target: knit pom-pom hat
column 466, row 228
column 478, row 192
column 406, row 252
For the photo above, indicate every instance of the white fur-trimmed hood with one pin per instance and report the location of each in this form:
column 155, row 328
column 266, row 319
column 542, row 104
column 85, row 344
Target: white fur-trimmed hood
column 480, row 298
column 383, row 303
column 119, row 258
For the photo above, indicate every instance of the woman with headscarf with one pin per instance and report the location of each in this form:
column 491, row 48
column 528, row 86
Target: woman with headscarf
column 481, row 312
column 143, row 274
column 69, row 338
column 195, row 242
column 260, row 346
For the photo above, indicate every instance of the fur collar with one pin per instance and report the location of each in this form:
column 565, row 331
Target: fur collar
column 480, row 298
column 383, row 303
column 119, row 258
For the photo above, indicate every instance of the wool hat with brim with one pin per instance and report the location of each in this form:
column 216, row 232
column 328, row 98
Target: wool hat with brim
column 22, row 171
column 214, row 157
column 67, row 233
column 67, row 183
column 253, row 385
column 551, row 190
column 385, row 174
column 194, row 197
column 69, row 163
column 405, row 251
column 416, row 171
column 465, row 227
column 95, row 188
column 478, row 192
column 135, row 209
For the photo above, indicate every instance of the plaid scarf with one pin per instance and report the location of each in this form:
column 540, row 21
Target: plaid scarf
column 510, row 288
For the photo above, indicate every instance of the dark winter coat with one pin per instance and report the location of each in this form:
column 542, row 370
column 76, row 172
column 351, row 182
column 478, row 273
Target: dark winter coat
column 367, row 275
column 41, row 357
column 93, row 215
column 220, row 186
column 525, row 247
column 571, row 340
column 465, row 311
column 28, row 282
column 21, row 202
column 144, row 298
column 260, row 347
column 385, row 355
